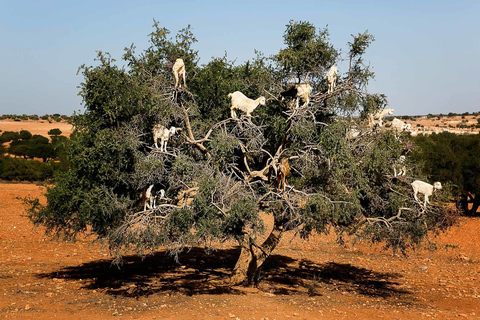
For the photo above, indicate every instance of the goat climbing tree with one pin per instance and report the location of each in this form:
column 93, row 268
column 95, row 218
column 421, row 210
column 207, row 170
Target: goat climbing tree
column 220, row 173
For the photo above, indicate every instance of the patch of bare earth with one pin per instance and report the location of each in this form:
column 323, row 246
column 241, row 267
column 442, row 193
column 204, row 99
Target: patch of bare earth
column 40, row 127
column 428, row 125
column 44, row 278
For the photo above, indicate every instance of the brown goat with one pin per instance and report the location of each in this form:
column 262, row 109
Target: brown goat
column 283, row 172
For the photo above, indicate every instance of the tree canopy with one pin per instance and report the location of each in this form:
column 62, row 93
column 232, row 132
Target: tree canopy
column 219, row 173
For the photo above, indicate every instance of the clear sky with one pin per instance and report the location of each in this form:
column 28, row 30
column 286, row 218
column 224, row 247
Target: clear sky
column 426, row 55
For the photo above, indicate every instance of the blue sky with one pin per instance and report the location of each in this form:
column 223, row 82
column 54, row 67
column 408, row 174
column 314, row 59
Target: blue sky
column 426, row 55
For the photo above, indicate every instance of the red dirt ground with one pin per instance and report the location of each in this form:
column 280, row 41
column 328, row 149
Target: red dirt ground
column 43, row 278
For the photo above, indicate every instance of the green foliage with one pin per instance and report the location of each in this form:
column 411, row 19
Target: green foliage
column 212, row 84
column 20, row 170
column 307, row 50
column 9, row 136
column 25, row 135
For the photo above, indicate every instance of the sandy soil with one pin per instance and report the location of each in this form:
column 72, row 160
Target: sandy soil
column 44, row 278
column 434, row 124
column 40, row 127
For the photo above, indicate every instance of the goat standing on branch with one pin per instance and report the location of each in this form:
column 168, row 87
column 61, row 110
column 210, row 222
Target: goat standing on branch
column 179, row 71
column 400, row 126
column 149, row 197
column 425, row 188
column 162, row 133
column 331, row 78
column 241, row 102
column 379, row 115
column 283, row 171
column 400, row 165
column 299, row 91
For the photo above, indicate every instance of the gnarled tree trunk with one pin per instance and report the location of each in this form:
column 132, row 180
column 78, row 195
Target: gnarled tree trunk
column 252, row 256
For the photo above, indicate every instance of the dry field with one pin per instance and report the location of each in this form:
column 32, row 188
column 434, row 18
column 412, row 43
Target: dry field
column 40, row 127
column 44, row 278
column 444, row 124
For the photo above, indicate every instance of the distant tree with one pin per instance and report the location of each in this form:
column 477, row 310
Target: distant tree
column 9, row 136
column 220, row 173
column 54, row 132
column 43, row 151
column 19, row 148
column 25, row 135
column 39, row 139
column 454, row 159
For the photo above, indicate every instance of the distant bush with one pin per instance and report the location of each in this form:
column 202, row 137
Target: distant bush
column 24, row 135
column 56, row 117
column 55, row 132
column 22, row 170
column 9, row 136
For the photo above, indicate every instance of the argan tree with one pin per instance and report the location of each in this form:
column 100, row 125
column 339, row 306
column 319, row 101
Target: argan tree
column 220, row 173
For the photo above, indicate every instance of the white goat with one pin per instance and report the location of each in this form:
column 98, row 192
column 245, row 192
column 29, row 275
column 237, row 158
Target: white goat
column 400, row 165
column 303, row 93
column 424, row 188
column 162, row 133
column 353, row 133
column 179, row 71
column 400, row 125
column 300, row 91
column 241, row 102
column 331, row 78
column 149, row 197
column 379, row 115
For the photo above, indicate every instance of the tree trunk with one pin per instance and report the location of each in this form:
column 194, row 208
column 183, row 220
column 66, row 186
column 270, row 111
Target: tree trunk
column 475, row 205
column 253, row 256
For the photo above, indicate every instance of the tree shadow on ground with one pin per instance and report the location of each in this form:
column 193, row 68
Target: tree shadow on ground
column 330, row 276
column 197, row 272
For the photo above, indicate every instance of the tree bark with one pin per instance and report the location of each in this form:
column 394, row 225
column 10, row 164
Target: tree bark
column 253, row 256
